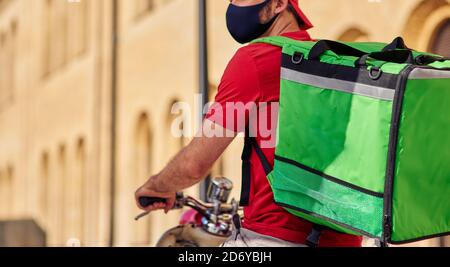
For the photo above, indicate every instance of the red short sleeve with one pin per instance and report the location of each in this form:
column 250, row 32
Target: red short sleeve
column 238, row 93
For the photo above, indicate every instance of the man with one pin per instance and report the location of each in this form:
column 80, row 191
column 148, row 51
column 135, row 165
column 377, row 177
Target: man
column 252, row 76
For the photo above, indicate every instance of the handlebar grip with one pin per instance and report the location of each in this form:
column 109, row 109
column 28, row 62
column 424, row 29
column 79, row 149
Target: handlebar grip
column 148, row 201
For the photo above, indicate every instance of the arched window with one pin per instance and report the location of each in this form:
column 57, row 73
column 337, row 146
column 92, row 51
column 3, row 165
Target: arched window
column 47, row 47
column 3, row 65
column 441, row 41
column 143, row 162
column 143, row 6
column 2, row 194
column 55, row 39
column 75, row 196
column 77, row 30
column 7, row 68
column 60, row 39
column 422, row 22
column 61, row 187
column 9, row 185
column 354, row 35
column 12, row 61
column 174, row 130
column 6, row 192
column 43, row 188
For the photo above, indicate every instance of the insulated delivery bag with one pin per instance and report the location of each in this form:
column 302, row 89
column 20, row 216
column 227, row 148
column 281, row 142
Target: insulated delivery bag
column 363, row 143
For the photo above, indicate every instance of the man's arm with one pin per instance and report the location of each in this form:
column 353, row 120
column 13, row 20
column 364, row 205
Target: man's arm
column 187, row 168
column 190, row 166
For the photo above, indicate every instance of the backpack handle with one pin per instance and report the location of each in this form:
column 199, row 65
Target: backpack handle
column 323, row 46
column 395, row 56
column 398, row 43
column 424, row 59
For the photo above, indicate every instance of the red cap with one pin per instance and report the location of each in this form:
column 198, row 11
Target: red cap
column 306, row 23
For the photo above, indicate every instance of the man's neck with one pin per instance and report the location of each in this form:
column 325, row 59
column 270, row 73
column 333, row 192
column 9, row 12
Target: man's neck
column 285, row 23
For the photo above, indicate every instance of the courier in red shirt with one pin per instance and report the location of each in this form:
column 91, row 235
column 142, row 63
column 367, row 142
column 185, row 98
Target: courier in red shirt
column 253, row 76
column 252, row 79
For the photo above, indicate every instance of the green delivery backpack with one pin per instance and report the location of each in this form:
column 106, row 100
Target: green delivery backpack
column 363, row 143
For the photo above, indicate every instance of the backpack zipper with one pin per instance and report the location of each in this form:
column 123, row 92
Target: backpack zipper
column 392, row 155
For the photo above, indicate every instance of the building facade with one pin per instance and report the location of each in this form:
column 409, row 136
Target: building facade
column 78, row 81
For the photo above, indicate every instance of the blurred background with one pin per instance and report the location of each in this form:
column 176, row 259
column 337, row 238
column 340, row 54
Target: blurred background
column 86, row 91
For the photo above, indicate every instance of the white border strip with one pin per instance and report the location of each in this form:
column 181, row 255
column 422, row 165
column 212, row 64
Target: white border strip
column 338, row 85
column 419, row 74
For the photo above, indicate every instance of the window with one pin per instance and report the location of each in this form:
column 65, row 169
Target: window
column 7, row 63
column 143, row 159
column 441, row 43
column 76, row 204
column 47, row 36
column 43, row 184
column 144, row 6
column 422, row 23
column 175, row 128
column 59, row 28
column 353, row 35
column 3, row 194
column 65, row 33
column 6, row 192
column 12, row 61
column 61, row 187
column 77, row 34
column 10, row 188
column 3, row 67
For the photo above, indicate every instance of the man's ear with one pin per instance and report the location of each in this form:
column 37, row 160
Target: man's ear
column 281, row 5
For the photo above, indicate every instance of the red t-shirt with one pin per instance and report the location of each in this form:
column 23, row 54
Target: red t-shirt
column 253, row 75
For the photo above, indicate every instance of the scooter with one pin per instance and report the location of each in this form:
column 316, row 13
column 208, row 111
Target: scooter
column 207, row 224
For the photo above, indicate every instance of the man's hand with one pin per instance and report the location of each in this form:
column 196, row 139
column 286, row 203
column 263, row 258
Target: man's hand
column 148, row 190
column 187, row 168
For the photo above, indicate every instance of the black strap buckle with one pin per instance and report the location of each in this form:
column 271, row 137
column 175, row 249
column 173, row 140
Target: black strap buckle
column 313, row 239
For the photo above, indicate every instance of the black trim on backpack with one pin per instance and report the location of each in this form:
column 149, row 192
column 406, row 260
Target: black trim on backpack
column 330, row 178
column 339, row 72
column 392, row 153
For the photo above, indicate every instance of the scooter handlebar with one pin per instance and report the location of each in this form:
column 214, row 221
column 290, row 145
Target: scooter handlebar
column 149, row 201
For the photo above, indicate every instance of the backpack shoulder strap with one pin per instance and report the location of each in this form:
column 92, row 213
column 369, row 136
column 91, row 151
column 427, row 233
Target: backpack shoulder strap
column 250, row 145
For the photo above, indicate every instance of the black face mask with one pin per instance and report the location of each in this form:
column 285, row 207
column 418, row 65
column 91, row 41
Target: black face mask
column 243, row 22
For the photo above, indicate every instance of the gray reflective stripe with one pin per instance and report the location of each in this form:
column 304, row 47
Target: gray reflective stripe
column 338, row 85
column 418, row 74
